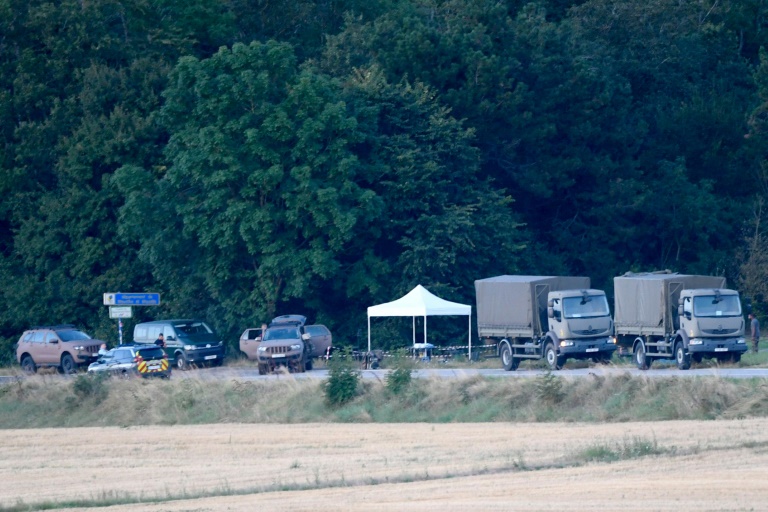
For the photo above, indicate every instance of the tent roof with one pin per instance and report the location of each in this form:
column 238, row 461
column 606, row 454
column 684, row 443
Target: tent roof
column 419, row 302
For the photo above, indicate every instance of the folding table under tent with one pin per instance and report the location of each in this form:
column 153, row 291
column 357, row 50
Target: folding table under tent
column 420, row 302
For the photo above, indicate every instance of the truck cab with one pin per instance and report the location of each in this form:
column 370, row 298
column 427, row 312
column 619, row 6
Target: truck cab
column 580, row 325
column 711, row 324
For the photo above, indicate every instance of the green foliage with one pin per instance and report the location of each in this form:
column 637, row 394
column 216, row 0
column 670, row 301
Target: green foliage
column 343, row 382
column 90, row 386
column 549, row 388
column 400, row 376
column 629, row 449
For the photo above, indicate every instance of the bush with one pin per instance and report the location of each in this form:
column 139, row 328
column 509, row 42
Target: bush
column 90, row 386
column 343, row 380
column 549, row 388
column 399, row 379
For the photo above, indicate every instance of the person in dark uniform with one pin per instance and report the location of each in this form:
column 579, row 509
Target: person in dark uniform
column 754, row 326
column 160, row 342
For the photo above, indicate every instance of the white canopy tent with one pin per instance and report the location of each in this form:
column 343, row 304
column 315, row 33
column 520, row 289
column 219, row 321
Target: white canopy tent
column 420, row 302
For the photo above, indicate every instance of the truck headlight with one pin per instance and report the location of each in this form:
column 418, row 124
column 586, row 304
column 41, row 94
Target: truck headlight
column 566, row 343
column 696, row 341
column 296, row 346
column 612, row 339
column 740, row 340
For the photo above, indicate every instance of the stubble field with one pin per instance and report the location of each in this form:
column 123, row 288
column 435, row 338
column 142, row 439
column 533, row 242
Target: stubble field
column 671, row 465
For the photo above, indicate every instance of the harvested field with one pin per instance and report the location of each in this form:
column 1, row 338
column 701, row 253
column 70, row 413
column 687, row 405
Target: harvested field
column 674, row 465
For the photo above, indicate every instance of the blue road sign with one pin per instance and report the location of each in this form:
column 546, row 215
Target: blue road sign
column 131, row 299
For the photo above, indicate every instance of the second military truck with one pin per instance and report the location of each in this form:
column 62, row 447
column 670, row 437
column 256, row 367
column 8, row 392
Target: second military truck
column 550, row 317
column 662, row 315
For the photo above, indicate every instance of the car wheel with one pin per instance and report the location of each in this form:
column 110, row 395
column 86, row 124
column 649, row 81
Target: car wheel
column 68, row 365
column 181, row 362
column 28, row 365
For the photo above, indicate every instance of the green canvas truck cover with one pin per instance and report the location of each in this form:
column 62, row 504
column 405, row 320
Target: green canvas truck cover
column 647, row 303
column 513, row 305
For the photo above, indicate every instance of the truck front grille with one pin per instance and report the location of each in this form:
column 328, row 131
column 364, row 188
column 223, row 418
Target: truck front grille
column 588, row 332
column 278, row 350
column 720, row 332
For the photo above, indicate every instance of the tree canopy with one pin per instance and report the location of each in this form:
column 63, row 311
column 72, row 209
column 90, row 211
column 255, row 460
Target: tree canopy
column 249, row 159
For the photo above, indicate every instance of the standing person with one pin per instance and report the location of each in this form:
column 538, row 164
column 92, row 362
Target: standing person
column 160, row 342
column 754, row 325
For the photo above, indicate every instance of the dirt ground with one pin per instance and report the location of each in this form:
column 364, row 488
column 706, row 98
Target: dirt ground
column 712, row 465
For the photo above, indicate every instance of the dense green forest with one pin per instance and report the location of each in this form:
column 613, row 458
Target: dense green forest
column 247, row 158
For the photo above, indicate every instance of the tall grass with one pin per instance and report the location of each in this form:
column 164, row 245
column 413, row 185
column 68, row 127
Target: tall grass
column 46, row 401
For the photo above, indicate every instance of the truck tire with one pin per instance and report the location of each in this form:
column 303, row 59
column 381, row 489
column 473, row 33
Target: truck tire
column 682, row 358
column 554, row 361
column 642, row 361
column 509, row 362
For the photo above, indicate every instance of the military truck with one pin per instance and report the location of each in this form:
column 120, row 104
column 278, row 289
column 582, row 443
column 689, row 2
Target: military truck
column 664, row 315
column 550, row 317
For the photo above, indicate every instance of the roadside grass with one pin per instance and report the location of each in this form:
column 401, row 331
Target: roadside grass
column 86, row 400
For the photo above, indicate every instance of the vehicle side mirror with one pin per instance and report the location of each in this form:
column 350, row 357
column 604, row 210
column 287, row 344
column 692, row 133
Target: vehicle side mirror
column 550, row 303
column 551, row 312
column 306, row 337
column 680, row 311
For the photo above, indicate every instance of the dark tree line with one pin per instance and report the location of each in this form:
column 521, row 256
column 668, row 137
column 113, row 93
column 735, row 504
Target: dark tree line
column 249, row 158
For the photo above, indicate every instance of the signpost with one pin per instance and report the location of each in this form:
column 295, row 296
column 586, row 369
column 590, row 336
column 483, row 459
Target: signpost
column 120, row 305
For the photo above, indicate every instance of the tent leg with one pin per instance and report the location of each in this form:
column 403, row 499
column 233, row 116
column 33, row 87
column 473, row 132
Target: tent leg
column 369, row 334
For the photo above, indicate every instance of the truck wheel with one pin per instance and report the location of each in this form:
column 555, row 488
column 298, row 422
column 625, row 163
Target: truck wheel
column 68, row 364
column 28, row 365
column 262, row 369
column 682, row 358
column 642, row 361
column 554, row 361
column 509, row 362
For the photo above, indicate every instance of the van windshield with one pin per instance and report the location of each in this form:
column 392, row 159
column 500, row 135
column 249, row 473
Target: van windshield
column 190, row 328
column 588, row 306
column 710, row 306
column 282, row 333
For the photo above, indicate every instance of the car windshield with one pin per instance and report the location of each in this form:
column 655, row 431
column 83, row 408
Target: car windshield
column 716, row 305
column 72, row 335
column 588, row 306
column 189, row 328
column 282, row 333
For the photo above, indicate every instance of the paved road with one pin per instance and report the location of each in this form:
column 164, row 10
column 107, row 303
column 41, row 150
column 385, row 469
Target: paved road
column 249, row 374
column 444, row 373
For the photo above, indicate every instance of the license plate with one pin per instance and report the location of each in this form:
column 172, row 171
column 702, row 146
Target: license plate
column 154, row 367
column 591, row 350
column 275, row 356
column 210, row 357
column 721, row 349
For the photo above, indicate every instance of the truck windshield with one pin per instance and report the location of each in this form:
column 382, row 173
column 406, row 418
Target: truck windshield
column 709, row 306
column 282, row 333
column 578, row 307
